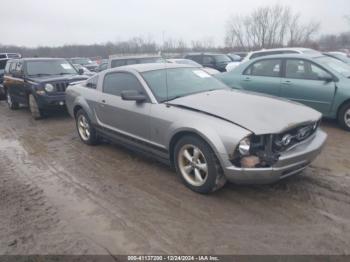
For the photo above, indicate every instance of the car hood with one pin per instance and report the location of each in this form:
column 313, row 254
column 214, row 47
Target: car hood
column 57, row 78
column 259, row 114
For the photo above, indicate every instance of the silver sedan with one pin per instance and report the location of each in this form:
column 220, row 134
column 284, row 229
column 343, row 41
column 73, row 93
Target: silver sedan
column 184, row 117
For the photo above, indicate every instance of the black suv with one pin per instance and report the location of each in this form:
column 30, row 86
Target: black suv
column 216, row 61
column 4, row 57
column 39, row 83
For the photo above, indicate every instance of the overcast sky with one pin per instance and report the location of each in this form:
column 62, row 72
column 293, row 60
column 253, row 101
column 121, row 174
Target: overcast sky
column 58, row 22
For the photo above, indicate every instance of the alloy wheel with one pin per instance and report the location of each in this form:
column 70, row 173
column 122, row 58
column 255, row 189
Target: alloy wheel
column 83, row 127
column 347, row 117
column 193, row 165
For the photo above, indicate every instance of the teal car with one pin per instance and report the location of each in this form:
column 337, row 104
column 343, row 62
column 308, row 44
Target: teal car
column 318, row 81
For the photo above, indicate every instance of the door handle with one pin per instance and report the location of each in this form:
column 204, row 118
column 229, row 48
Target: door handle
column 247, row 79
column 103, row 101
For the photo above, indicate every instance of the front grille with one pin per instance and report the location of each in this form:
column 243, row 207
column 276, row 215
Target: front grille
column 61, row 86
column 288, row 139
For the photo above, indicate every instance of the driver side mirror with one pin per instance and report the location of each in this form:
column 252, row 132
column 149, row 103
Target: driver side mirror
column 326, row 78
column 133, row 95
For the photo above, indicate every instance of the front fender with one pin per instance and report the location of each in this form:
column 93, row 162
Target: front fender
column 223, row 137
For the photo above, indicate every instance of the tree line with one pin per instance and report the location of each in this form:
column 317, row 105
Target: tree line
column 265, row 27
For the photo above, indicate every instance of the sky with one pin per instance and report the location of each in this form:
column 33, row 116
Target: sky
column 57, row 22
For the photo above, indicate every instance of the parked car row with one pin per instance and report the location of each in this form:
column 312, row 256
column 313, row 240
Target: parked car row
column 209, row 126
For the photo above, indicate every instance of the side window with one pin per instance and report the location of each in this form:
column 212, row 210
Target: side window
column 115, row 83
column 269, row 68
column 132, row 62
column 301, row 69
column 207, row 60
column 117, row 63
column 92, row 82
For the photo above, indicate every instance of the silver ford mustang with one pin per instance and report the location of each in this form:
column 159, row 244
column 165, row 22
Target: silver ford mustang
column 190, row 120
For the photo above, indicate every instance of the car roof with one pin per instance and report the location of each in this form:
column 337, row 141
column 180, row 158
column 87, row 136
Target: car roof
column 117, row 57
column 151, row 67
column 304, row 56
column 297, row 49
column 205, row 53
column 39, row 59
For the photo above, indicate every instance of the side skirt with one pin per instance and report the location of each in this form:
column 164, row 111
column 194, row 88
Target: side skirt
column 147, row 149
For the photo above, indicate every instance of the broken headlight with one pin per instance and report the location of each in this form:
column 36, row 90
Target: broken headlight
column 244, row 147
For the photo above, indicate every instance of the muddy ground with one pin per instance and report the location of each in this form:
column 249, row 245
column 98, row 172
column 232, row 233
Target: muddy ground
column 59, row 196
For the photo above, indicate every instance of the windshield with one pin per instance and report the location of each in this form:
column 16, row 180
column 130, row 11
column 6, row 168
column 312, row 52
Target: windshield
column 50, row 67
column 81, row 61
column 168, row 84
column 335, row 64
column 222, row 58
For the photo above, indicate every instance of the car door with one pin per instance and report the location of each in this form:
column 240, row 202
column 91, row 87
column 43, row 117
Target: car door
column 13, row 83
column 304, row 82
column 124, row 117
column 263, row 76
column 19, row 83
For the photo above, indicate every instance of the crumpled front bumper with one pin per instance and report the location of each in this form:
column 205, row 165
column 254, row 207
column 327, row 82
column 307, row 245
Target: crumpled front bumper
column 290, row 163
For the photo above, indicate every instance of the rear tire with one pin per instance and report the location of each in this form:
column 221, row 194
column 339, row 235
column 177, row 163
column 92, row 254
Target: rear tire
column 197, row 165
column 34, row 108
column 344, row 116
column 10, row 102
column 86, row 131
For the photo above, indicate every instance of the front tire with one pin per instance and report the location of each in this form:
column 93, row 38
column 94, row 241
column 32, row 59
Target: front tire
column 86, row 131
column 197, row 165
column 34, row 108
column 344, row 116
column 10, row 102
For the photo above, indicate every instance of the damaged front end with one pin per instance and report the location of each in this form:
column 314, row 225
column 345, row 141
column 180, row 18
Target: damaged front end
column 264, row 151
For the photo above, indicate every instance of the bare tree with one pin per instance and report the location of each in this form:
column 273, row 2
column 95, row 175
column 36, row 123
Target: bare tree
column 268, row 27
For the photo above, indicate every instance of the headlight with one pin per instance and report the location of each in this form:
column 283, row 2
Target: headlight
column 49, row 88
column 244, row 147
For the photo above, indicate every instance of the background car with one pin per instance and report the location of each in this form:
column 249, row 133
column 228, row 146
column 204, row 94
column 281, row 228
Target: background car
column 4, row 57
column 83, row 70
column 340, row 56
column 318, row 81
column 212, row 60
column 39, row 83
column 102, row 66
column 210, row 71
column 86, row 62
column 274, row 51
column 117, row 60
column 186, row 118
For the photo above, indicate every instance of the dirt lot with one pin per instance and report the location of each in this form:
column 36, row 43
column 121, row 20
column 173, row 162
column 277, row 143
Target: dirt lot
column 58, row 196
